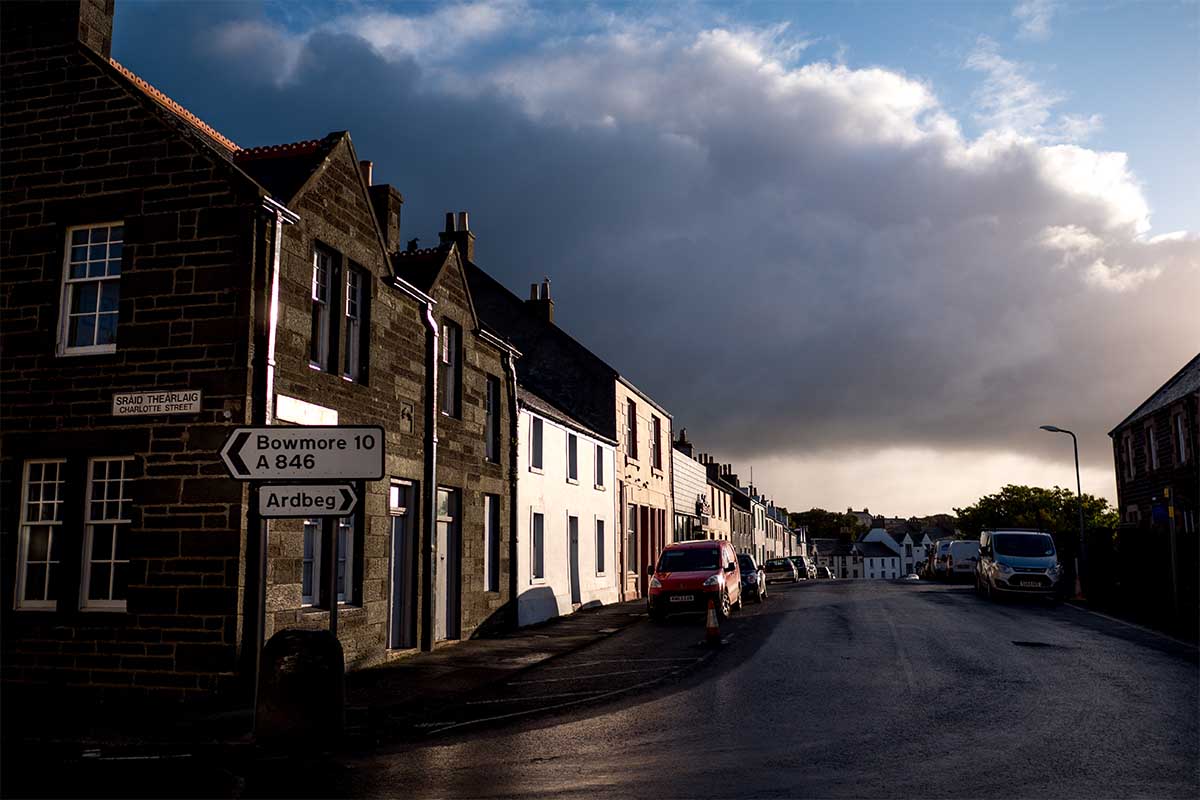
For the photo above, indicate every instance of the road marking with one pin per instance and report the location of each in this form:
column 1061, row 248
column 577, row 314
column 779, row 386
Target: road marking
column 617, row 661
column 582, row 677
column 568, row 703
column 1142, row 628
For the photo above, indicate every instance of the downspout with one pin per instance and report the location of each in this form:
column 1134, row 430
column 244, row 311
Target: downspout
column 510, row 363
column 429, row 533
column 282, row 214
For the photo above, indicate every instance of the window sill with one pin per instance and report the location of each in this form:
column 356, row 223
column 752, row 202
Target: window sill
column 600, row 487
column 100, row 350
column 537, row 470
column 94, row 609
column 657, row 472
column 573, row 481
column 631, row 460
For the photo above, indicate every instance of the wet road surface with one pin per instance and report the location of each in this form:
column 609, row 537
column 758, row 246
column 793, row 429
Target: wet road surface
column 830, row 689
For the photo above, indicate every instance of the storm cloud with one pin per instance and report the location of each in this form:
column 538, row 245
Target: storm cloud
column 806, row 262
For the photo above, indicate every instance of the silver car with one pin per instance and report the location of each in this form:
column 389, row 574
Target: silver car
column 1017, row 561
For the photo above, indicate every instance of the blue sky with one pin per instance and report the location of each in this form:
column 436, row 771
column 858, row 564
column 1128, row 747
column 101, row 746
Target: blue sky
column 866, row 247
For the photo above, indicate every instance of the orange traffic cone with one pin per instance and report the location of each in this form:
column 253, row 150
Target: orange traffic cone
column 712, row 629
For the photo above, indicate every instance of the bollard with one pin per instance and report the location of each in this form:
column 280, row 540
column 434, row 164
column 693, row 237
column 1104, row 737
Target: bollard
column 301, row 696
column 712, row 628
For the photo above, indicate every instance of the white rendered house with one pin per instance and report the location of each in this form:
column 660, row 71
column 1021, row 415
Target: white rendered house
column 566, row 513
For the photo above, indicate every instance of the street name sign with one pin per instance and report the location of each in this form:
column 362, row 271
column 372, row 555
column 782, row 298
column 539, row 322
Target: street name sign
column 306, row 500
column 307, row 453
column 151, row 401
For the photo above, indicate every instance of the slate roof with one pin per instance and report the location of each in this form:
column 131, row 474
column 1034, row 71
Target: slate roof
column 876, row 550
column 422, row 267
column 553, row 365
column 284, row 168
column 550, row 411
column 1180, row 385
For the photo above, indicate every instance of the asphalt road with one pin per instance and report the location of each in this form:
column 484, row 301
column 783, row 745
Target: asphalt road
column 831, row 689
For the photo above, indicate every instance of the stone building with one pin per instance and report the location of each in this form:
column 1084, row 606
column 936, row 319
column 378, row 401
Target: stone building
column 161, row 285
column 644, row 482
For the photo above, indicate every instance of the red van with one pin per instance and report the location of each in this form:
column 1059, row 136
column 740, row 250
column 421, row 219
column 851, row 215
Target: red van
column 689, row 574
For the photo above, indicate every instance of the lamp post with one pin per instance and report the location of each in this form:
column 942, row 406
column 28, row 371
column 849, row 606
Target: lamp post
column 1078, row 497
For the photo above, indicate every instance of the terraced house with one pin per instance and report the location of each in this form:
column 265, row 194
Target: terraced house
column 161, row 285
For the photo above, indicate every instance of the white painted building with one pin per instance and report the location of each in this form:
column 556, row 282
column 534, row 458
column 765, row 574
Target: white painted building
column 910, row 547
column 567, row 552
column 690, row 495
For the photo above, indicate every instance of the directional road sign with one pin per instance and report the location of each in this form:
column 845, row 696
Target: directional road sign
column 306, row 500
column 309, row 453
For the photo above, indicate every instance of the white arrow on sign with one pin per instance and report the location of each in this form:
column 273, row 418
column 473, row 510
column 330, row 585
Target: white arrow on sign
column 310, row 452
column 277, row 501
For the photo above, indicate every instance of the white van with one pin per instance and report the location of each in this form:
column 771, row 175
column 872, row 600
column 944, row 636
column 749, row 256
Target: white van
column 961, row 560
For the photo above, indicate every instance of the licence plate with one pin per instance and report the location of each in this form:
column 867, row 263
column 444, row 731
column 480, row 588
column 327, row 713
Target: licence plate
column 1030, row 583
column 682, row 598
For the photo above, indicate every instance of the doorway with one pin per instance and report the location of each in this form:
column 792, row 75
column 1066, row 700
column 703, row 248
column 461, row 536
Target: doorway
column 573, row 538
column 447, row 624
column 402, row 600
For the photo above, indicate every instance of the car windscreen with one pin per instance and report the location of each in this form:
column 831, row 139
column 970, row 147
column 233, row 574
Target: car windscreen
column 1023, row 545
column 778, row 563
column 690, row 560
column 746, row 562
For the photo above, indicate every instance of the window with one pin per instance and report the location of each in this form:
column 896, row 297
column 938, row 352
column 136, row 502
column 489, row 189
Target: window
column 450, row 372
column 1181, row 436
column 308, row 569
column 491, row 429
column 312, row 589
column 599, row 547
column 91, row 289
column 322, row 294
column 491, row 542
column 106, row 513
column 538, row 564
column 39, row 550
column 1127, row 454
column 631, row 442
column 354, row 362
column 572, row 458
column 908, row 551
column 631, row 560
column 535, row 443
column 655, row 442
column 1151, row 448
column 599, row 467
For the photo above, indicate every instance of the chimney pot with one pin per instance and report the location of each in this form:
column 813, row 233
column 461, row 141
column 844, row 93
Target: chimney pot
column 533, row 291
column 462, row 221
column 449, row 222
column 366, row 168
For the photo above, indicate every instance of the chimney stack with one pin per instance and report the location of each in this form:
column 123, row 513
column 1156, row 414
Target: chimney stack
column 460, row 234
column 366, row 168
column 682, row 444
column 34, row 25
column 540, row 302
column 385, row 202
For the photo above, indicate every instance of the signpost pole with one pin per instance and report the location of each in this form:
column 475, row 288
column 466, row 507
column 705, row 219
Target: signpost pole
column 257, row 526
column 329, row 544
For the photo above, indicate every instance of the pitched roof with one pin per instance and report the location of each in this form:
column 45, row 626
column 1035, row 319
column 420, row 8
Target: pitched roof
column 547, row 409
column 1181, row 384
column 202, row 127
column 422, row 267
column 554, row 366
column 284, row 169
column 876, row 550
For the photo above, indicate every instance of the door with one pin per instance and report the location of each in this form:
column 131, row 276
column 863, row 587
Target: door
column 402, row 605
column 573, row 536
column 645, row 550
column 448, row 579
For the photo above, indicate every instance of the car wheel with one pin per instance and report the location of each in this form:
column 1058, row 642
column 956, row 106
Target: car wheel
column 741, row 601
column 724, row 607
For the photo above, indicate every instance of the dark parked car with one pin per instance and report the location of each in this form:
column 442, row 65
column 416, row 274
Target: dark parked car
column 780, row 569
column 824, row 573
column 801, row 567
column 754, row 580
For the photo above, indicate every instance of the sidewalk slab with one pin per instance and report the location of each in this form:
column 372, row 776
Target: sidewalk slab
column 423, row 682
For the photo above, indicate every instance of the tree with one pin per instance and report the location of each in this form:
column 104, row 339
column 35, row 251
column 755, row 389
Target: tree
column 1052, row 510
column 824, row 524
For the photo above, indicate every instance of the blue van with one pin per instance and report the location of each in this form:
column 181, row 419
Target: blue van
column 1017, row 561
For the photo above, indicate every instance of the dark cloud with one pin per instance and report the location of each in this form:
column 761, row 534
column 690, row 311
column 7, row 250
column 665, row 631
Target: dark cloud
column 793, row 261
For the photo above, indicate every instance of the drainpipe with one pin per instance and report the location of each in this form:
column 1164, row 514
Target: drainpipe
column 263, row 413
column 429, row 533
column 510, row 364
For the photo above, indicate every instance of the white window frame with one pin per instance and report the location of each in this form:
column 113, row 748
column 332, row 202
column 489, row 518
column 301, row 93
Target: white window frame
column 656, row 460
column 68, row 284
column 572, row 458
column 1181, row 432
column 352, row 347
column 537, row 443
column 345, row 554
column 491, row 428
column 309, row 600
column 122, row 500
column 322, row 301
column 631, row 437
column 537, row 573
column 1127, row 444
column 450, row 401
column 491, row 528
column 600, row 536
column 599, row 461
column 631, row 539
column 1148, row 432
column 55, row 524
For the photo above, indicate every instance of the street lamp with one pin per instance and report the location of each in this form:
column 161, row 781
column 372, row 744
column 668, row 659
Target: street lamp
column 1078, row 494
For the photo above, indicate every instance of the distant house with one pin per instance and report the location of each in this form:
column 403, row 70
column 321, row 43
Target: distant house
column 1157, row 460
